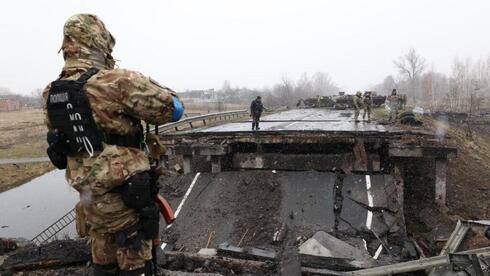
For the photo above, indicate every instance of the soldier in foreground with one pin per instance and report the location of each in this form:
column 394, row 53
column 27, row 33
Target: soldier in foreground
column 393, row 102
column 94, row 115
column 256, row 109
column 368, row 103
column 358, row 105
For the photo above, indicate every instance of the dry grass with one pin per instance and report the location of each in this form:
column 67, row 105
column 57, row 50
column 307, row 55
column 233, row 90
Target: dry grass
column 22, row 135
column 469, row 172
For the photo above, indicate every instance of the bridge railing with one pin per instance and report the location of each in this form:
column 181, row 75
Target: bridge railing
column 192, row 122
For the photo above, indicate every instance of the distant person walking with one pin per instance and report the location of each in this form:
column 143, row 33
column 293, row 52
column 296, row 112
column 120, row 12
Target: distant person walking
column 368, row 103
column 256, row 109
column 358, row 105
column 393, row 102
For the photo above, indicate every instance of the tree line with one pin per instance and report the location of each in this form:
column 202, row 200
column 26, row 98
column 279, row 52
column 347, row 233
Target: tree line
column 465, row 89
column 286, row 92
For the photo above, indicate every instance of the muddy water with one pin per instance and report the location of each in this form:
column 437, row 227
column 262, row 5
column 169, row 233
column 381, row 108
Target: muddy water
column 29, row 209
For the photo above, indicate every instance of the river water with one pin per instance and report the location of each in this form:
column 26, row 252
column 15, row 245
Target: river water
column 27, row 210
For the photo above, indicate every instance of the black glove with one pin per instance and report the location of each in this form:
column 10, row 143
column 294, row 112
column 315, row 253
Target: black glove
column 58, row 149
column 137, row 193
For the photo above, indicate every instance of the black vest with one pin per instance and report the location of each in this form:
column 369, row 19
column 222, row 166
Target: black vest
column 69, row 112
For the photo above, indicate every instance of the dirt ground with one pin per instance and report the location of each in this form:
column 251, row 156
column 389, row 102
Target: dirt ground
column 468, row 188
column 23, row 134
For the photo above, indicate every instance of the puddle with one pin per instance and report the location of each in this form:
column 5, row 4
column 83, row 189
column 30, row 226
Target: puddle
column 27, row 210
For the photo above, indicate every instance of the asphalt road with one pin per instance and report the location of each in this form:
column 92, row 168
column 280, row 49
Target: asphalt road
column 302, row 120
column 251, row 205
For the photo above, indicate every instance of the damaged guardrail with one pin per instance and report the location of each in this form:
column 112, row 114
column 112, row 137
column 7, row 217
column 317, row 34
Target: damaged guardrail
column 206, row 118
column 420, row 264
column 438, row 265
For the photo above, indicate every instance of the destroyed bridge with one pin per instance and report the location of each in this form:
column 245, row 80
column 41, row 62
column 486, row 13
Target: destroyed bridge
column 311, row 192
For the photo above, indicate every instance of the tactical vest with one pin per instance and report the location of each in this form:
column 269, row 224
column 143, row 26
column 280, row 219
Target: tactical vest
column 69, row 112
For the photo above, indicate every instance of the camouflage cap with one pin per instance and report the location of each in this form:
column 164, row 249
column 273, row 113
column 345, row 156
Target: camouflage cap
column 87, row 43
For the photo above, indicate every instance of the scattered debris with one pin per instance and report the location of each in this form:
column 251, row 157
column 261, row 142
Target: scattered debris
column 208, row 251
column 325, row 245
column 54, row 254
column 280, row 234
column 247, row 253
column 426, row 263
column 188, row 262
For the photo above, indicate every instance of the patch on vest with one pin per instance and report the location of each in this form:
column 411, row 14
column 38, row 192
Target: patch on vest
column 59, row 97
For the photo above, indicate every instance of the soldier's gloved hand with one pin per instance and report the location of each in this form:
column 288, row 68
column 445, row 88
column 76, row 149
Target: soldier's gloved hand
column 178, row 109
column 58, row 149
column 57, row 141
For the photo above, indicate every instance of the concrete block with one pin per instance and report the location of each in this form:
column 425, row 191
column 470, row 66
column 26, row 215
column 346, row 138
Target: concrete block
column 208, row 252
column 323, row 244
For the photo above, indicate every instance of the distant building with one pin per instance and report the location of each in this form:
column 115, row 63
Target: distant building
column 9, row 105
column 209, row 95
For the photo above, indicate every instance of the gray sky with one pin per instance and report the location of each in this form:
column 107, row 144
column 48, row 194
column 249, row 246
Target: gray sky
column 197, row 44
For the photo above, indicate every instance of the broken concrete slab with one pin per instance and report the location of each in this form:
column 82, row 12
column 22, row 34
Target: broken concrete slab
column 323, row 244
column 247, row 253
column 208, row 252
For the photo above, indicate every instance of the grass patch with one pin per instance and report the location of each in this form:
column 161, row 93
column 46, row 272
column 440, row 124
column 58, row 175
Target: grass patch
column 13, row 175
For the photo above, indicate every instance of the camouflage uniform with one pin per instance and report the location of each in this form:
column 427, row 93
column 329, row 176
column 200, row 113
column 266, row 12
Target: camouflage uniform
column 119, row 100
column 394, row 105
column 358, row 105
column 368, row 103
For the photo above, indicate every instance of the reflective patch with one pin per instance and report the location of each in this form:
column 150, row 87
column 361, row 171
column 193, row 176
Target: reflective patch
column 58, row 98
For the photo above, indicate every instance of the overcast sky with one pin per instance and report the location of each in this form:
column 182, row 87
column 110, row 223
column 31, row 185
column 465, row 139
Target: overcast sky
column 197, row 44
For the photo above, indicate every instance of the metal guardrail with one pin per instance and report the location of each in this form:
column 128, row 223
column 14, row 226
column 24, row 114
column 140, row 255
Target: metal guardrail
column 191, row 121
column 50, row 232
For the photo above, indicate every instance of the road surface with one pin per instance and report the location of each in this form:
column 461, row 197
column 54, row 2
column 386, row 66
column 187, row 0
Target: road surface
column 301, row 120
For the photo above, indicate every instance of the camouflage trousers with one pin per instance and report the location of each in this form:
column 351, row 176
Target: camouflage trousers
column 105, row 251
column 393, row 113
column 367, row 110
column 356, row 114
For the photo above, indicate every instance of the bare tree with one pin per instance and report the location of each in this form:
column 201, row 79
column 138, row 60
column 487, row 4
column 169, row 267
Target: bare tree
column 411, row 66
column 287, row 88
column 323, row 84
column 37, row 94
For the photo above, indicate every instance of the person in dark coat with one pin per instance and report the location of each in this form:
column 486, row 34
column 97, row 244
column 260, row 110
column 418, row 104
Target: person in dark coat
column 256, row 109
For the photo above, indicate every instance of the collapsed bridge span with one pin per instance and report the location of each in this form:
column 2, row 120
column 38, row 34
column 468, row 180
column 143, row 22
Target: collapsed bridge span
column 304, row 172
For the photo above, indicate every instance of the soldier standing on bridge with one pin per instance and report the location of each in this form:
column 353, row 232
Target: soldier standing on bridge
column 358, row 105
column 393, row 102
column 368, row 103
column 94, row 115
column 256, row 109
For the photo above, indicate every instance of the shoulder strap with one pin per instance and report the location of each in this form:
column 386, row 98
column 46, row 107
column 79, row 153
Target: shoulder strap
column 87, row 75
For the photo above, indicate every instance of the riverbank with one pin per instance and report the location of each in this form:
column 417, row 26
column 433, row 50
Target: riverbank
column 22, row 135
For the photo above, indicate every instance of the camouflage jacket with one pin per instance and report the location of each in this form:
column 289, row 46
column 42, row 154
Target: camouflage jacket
column 368, row 101
column 358, row 102
column 119, row 100
column 393, row 101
